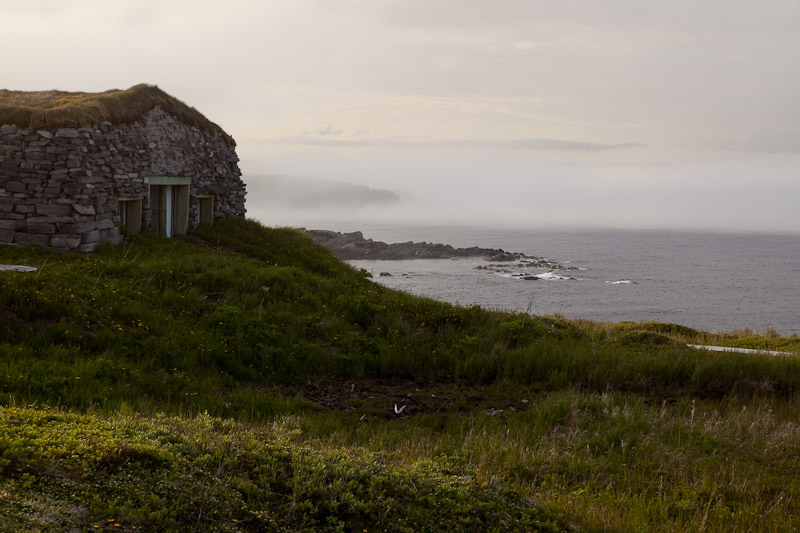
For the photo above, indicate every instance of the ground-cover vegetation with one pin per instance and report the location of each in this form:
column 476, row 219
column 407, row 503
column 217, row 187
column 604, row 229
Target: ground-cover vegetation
column 75, row 472
column 254, row 330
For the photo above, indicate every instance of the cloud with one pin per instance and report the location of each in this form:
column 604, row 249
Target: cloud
column 773, row 142
column 325, row 131
column 557, row 144
column 363, row 132
column 516, row 15
column 501, row 144
column 25, row 7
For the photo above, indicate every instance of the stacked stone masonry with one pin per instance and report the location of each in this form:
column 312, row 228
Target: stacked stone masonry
column 61, row 188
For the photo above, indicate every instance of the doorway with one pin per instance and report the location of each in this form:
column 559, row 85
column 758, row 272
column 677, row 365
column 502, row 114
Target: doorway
column 169, row 206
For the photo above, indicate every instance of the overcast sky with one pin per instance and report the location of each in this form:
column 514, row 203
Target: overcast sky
column 634, row 113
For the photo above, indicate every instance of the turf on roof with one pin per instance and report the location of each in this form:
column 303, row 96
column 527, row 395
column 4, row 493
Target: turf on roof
column 55, row 109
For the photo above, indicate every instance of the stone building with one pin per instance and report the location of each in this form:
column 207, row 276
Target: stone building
column 75, row 167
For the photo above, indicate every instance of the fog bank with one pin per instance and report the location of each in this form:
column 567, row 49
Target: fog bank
column 734, row 196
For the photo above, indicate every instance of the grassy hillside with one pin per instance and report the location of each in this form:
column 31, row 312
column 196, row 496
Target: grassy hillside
column 245, row 379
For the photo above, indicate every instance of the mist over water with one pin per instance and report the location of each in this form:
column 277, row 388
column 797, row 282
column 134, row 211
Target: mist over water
column 717, row 281
column 561, row 197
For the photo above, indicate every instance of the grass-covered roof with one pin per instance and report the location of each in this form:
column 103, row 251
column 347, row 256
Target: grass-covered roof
column 55, row 109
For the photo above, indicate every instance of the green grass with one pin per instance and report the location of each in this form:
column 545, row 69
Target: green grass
column 54, row 109
column 246, row 328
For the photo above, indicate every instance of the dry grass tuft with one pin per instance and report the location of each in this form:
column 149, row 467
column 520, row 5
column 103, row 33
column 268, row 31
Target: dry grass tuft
column 55, row 109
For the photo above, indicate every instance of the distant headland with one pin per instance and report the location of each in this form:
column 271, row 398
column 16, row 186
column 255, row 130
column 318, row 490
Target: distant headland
column 353, row 246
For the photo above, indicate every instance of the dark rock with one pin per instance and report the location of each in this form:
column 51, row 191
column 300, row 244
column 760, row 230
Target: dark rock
column 54, row 210
column 31, row 238
column 67, row 133
column 504, row 256
column 45, row 229
column 65, row 242
column 15, row 186
column 353, row 245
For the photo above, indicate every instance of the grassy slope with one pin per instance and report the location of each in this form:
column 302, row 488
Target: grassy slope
column 614, row 425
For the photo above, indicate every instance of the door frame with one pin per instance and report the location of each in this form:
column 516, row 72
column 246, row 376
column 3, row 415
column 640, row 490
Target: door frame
column 169, row 204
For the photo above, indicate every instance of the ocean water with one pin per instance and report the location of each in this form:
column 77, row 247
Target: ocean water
column 709, row 281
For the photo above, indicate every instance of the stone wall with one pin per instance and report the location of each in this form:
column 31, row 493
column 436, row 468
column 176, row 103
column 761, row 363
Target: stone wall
column 60, row 188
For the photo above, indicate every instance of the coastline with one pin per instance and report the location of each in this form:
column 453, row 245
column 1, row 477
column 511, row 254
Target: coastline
column 707, row 281
column 353, row 246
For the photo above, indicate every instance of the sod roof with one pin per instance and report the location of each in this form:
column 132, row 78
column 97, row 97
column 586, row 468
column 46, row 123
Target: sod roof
column 56, row 109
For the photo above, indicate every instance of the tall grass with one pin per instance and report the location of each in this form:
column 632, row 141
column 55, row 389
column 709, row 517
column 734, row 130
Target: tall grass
column 613, row 461
column 160, row 319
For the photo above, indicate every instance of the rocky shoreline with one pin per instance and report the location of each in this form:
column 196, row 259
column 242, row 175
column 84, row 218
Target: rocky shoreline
column 353, row 246
column 349, row 246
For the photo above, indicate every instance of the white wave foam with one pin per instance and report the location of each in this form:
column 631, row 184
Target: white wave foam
column 552, row 276
column 524, row 276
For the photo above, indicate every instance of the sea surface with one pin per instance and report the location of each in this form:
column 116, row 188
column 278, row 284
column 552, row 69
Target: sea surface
column 710, row 281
